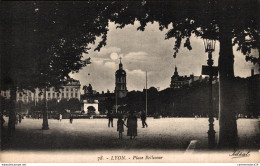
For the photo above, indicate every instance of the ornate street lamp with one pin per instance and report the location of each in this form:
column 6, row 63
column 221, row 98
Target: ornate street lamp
column 211, row 71
column 209, row 45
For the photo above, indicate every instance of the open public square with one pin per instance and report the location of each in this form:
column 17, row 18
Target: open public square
column 94, row 134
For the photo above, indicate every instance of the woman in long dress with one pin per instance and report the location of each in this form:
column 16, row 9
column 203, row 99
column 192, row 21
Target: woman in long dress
column 132, row 126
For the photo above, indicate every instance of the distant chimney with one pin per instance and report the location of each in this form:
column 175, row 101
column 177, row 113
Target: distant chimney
column 252, row 72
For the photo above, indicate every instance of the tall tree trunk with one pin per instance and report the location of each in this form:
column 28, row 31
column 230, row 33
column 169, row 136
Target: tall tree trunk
column 45, row 125
column 12, row 117
column 228, row 137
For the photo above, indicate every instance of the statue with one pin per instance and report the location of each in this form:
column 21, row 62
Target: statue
column 88, row 89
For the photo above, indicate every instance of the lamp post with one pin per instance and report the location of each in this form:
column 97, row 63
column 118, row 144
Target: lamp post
column 146, row 93
column 116, row 98
column 45, row 125
column 210, row 70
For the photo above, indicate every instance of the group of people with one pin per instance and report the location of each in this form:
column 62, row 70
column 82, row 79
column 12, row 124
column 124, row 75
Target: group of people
column 71, row 118
column 36, row 116
column 131, row 124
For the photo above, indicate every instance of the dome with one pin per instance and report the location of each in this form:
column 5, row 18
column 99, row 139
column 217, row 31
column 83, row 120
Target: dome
column 120, row 72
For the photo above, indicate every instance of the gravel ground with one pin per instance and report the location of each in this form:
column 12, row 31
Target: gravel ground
column 94, row 134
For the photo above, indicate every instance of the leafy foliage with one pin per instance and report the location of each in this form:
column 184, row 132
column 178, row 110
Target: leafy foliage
column 43, row 42
column 202, row 18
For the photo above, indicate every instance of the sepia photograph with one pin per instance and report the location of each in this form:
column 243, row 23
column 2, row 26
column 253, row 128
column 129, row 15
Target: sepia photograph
column 142, row 81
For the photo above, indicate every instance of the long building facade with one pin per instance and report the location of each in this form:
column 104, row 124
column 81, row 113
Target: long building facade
column 178, row 81
column 68, row 91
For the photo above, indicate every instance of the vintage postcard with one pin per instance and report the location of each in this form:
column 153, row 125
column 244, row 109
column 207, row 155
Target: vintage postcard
column 142, row 81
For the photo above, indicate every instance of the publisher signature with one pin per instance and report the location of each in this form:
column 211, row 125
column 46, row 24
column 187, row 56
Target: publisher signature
column 240, row 154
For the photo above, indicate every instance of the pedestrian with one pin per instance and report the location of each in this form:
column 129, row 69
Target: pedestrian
column 143, row 118
column 110, row 119
column 132, row 125
column 196, row 117
column 120, row 126
column 2, row 121
column 16, row 118
column 71, row 118
column 60, row 117
column 20, row 118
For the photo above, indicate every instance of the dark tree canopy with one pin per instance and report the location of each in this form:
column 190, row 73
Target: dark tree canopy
column 203, row 18
column 45, row 40
column 42, row 42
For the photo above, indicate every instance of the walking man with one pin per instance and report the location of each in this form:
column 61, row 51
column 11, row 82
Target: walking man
column 71, row 118
column 20, row 118
column 143, row 118
column 110, row 119
column 2, row 121
column 16, row 118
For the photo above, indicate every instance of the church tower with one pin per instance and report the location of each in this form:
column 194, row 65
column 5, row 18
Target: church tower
column 176, row 72
column 120, row 88
column 175, row 79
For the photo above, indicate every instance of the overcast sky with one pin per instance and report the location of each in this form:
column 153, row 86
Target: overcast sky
column 147, row 51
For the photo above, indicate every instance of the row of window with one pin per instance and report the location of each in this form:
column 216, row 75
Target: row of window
column 178, row 83
column 122, row 87
column 49, row 97
column 58, row 95
column 30, row 94
column 40, row 94
column 65, row 89
column 53, row 95
column 122, row 79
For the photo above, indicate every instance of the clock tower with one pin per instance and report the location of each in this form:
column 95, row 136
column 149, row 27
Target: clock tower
column 120, row 88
